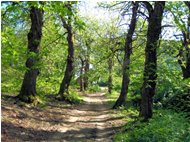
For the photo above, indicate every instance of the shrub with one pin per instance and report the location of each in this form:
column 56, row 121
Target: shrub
column 74, row 97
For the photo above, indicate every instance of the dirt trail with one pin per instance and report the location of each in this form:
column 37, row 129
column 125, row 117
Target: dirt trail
column 90, row 121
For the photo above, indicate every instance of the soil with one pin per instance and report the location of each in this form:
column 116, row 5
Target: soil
column 93, row 120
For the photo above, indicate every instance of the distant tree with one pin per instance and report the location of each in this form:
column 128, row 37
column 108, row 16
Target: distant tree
column 150, row 68
column 110, row 76
column 28, row 89
column 81, row 76
column 87, row 63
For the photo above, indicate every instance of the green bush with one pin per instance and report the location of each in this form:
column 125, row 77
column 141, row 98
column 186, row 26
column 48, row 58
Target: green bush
column 94, row 88
column 166, row 126
column 179, row 103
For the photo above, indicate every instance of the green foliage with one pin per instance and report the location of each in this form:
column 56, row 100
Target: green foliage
column 166, row 126
column 13, row 54
column 170, row 80
column 94, row 88
column 74, row 97
column 112, row 97
column 11, row 80
column 179, row 12
column 178, row 102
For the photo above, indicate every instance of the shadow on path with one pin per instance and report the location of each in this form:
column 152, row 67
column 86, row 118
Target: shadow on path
column 90, row 121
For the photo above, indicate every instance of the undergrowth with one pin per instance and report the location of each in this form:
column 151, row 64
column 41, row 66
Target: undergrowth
column 165, row 126
column 94, row 88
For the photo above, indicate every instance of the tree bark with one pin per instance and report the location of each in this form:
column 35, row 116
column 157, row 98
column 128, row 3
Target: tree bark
column 110, row 66
column 128, row 50
column 184, row 52
column 82, row 75
column 150, row 67
column 70, row 65
column 28, row 89
column 70, row 58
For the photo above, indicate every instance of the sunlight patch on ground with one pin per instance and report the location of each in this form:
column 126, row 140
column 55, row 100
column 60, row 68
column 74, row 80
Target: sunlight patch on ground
column 90, row 121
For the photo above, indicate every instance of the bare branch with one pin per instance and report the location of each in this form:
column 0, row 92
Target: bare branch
column 143, row 14
column 148, row 6
column 166, row 26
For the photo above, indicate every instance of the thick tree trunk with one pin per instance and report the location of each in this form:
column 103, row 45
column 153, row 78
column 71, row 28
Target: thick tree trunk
column 70, row 65
column 110, row 66
column 188, row 47
column 150, row 75
column 128, row 50
column 28, row 89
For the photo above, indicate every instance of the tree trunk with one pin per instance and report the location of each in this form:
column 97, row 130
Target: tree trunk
column 110, row 66
column 70, row 57
column 188, row 48
column 128, row 50
column 150, row 67
column 87, row 67
column 28, row 89
column 184, row 52
column 70, row 65
column 82, row 75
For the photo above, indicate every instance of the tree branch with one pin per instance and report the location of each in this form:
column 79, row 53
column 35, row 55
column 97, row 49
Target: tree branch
column 148, row 6
column 143, row 14
column 65, row 25
column 53, row 41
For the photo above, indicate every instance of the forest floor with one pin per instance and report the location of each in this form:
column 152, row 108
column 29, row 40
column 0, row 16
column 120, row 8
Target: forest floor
column 90, row 121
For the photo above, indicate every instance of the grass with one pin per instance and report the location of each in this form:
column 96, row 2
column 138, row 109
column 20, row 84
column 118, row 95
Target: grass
column 12, row 80
column 165, row 126
column 74, row 96
column 112, row 97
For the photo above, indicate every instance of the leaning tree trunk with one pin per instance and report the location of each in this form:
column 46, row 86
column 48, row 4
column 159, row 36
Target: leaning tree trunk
column 28, row 89
column 70, row 65
column 150, row 68
column 110, row 79
column 128, row 50
column 63, row 91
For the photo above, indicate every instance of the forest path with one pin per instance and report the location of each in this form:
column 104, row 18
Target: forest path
column 90, row 121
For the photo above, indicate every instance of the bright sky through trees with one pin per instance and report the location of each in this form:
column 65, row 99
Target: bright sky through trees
column 91, row 9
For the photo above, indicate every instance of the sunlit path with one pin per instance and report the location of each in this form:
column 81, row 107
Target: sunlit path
column 90, row 121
